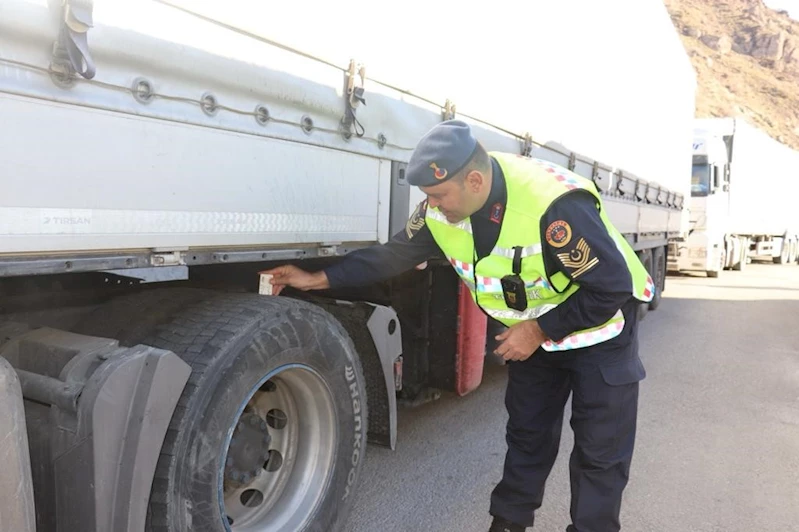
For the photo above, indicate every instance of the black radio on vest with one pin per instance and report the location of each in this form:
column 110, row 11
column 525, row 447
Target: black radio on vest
column 513, row 285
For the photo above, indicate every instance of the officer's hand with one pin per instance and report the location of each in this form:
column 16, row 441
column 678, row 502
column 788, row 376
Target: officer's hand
column 520, row 341
column 289, row 275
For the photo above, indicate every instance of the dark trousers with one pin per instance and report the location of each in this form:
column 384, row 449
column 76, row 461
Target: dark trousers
column 603, row 382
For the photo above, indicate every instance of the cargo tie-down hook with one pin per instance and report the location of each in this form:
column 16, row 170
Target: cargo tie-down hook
column 448, row 113
column 527, row 145
column 356, row 77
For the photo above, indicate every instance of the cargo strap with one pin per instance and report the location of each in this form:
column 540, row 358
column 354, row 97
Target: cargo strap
column 72, row 48
column 355, row 97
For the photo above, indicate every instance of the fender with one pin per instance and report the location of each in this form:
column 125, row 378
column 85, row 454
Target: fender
column 97, row 444
column 16, row 484
column 375, row 331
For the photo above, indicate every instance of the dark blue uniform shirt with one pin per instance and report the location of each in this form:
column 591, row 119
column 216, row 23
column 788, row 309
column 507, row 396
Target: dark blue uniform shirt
column 579, row 246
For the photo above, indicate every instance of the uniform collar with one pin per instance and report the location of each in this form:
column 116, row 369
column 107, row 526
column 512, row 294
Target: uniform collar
column 494, row 207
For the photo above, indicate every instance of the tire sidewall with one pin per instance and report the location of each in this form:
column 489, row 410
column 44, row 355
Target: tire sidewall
column 308, row 337
column 659, row 276
column 646, row 260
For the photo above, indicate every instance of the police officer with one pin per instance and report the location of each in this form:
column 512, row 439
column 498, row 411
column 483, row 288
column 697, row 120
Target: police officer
column 532, row 242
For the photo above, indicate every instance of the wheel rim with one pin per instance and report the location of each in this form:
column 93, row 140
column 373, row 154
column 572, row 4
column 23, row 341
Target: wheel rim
column 292, row 410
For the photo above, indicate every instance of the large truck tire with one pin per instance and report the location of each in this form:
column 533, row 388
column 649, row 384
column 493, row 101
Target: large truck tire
column 646, row 259
column 658, row 276
column 713, row 274
column 740, row 264
column 270, row 431
column 786, row 250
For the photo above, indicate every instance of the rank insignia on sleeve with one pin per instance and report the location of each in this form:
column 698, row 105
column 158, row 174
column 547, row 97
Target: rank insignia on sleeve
column 559, row 233
column 578, row 260
column 416, row 221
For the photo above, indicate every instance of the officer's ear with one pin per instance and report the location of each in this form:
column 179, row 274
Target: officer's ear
column 475, row 181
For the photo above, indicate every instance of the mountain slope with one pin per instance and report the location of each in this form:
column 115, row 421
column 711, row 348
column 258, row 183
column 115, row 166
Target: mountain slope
column 747, row 61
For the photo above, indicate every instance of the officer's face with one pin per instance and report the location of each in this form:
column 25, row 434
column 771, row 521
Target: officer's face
column 458, row 199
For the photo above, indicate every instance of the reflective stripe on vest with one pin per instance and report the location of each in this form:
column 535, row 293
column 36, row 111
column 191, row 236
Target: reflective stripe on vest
column 465, row 225
column 649, row 291
column 585, row 339
column 527, row 251
column 487, row 284
column 529, row 314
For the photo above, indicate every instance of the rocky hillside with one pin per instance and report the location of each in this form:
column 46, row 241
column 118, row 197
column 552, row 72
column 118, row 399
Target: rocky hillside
column 747, row 60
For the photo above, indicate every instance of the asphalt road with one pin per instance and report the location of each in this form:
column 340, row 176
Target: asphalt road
column 718, row 438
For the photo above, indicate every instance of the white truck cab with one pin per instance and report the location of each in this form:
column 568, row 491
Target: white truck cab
column 734, row 217
column 703, row 248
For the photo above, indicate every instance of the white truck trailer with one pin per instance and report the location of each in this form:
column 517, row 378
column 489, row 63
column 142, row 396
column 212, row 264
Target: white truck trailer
column 737, row 215
column 156, row 155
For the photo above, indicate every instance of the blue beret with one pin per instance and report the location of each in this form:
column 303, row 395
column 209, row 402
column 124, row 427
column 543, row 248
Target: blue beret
column 442, row 153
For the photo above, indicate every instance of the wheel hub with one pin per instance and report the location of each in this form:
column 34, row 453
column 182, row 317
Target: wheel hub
column 249, row 449
column 297, row 407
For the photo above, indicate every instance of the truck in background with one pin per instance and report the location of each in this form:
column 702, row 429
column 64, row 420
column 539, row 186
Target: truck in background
column 157, row 155
column 741, row 209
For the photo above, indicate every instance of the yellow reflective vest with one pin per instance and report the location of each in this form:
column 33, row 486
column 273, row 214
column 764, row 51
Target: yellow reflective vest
column 532, row 186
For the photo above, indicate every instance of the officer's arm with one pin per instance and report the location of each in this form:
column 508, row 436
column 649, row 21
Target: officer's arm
column 577, row 243
column 410, row 247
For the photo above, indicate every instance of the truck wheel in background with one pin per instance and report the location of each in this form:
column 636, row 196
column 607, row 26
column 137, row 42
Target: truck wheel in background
column 740, row 263
column 658, row 276
column 270, row 431
column 785, row 253
column 730, row 252
column 713, row 274
column 646, row 259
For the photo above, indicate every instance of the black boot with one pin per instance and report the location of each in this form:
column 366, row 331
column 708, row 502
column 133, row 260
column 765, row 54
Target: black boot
column 502, row 525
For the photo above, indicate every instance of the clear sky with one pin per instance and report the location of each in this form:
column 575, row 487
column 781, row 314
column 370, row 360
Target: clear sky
column 791, row 6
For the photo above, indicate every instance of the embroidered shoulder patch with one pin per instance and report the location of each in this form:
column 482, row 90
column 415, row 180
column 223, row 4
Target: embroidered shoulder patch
column 496, row 213
column 558, row 234
column 579, row 259
column 416, row 221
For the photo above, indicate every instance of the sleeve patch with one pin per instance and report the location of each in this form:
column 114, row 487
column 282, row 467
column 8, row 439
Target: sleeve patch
column 559, row 233
column 416, row 221
column 579, row 259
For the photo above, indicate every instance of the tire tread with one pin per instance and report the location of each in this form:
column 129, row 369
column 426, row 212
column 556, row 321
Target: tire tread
column 196, row 325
